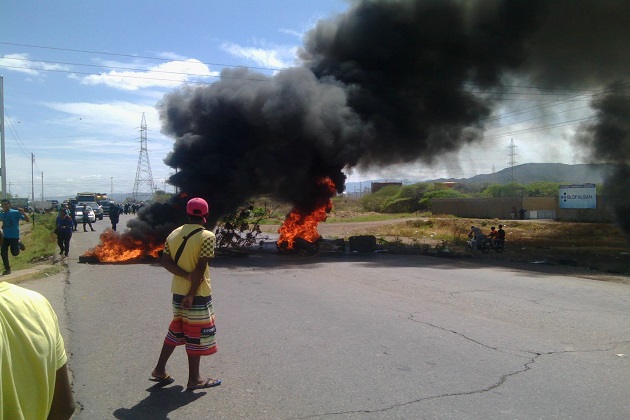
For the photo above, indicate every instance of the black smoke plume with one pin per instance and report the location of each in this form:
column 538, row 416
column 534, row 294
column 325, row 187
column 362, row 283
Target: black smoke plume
column 609, row 139
column 389, row 81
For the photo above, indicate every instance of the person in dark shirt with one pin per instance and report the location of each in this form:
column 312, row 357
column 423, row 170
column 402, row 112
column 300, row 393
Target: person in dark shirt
column 114, row 214
column 499, row 238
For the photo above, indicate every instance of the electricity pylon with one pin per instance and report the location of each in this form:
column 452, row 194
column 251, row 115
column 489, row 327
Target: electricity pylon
column 512, row 159
column 143, row 187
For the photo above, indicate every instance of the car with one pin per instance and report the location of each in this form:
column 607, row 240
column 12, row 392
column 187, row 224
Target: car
column 79, row 214
column 98, row 210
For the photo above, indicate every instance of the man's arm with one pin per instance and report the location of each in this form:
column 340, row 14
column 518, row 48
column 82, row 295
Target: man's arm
column 62, row 406
column 171, row 267
column 195, row 278
column 26, row 218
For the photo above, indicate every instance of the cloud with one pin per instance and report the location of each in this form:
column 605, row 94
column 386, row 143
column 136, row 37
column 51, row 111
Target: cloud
column 272, row 57
column 166, row 75
column 22, row 64
column 103, row 149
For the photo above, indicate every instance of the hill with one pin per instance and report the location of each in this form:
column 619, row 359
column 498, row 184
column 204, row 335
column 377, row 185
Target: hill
column 533, row 172
column 523, row 174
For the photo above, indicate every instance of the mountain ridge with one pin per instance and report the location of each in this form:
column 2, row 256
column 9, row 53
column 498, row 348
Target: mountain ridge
column 527, row 173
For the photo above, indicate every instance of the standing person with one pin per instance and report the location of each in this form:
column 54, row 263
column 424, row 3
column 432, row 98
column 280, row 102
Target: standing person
column 64, row 228
column 11, row 231
column 114, row 214
column 513, row 213
column 35, row 382
column 187, row 252
column 73, row 214
column 86, row 219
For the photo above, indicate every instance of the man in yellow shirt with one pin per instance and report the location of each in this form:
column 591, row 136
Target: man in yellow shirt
column 34, row 381
column 187, row 252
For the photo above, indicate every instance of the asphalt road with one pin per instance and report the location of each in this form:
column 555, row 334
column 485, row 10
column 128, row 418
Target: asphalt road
column 351, row 337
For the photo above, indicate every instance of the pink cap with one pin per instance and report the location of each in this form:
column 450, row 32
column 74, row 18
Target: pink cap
column 197, row 207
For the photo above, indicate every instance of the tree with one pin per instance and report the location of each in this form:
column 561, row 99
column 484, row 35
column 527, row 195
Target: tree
column 425, row 203
column 542, row 189
column 513, row 189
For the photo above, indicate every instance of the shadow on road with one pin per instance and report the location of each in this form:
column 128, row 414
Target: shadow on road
column 159, row 403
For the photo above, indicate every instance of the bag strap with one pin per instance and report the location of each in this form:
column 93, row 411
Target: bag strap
column 181, row 247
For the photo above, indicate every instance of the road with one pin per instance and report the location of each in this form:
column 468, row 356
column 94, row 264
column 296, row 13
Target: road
column 332, row 336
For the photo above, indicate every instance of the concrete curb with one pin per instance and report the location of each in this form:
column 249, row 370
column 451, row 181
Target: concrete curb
column 35, row 272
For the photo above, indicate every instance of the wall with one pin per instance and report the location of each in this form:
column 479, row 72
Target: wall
column 500, row 208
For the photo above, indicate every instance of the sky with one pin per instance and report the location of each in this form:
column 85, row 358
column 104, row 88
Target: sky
column 79, row 76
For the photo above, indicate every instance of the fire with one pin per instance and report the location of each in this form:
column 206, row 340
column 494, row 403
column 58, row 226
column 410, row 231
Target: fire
column 302, row 224
column 115, row 247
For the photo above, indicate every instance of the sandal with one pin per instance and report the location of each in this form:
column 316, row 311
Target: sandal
column 209, row 383
column 162, row 380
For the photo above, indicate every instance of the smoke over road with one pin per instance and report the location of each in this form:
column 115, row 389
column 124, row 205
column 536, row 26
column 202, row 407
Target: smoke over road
column 386, row 82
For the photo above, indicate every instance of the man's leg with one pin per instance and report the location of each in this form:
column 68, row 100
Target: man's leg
column 66, row 243
column 4, row 251
column 194, row 377
column 160, row 367
column 15, row 246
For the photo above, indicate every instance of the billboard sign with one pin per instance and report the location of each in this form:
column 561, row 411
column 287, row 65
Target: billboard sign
column 583, row 196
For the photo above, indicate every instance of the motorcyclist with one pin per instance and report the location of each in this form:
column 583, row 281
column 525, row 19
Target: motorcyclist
column 476, row 236
column 499, row 238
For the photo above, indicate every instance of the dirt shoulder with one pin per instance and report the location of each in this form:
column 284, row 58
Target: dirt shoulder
column 596, row 263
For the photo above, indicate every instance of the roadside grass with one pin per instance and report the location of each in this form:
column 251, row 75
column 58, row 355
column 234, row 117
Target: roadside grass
column 352, row 216
column 39, row 240
column 544, row 233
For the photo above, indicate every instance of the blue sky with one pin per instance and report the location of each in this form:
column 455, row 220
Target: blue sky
column 78, row 76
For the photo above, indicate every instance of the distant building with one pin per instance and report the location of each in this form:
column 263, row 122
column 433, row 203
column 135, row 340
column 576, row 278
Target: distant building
column 378, row 185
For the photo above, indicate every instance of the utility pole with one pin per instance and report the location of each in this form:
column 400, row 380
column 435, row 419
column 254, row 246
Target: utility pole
column 512, row 159
column 42, row 185
column 32, row 177
column 111, row 186
column 3, row 161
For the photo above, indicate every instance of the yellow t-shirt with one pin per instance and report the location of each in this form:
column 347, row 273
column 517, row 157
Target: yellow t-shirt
column 31, row 352
column 201, row 244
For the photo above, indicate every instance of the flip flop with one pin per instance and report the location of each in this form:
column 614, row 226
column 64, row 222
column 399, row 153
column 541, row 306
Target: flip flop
column 164, row 380
column 208, row 384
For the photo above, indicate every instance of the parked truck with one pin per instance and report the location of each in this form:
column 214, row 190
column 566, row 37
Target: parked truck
column 18, row 202
column 46, row 206
column 87, row 197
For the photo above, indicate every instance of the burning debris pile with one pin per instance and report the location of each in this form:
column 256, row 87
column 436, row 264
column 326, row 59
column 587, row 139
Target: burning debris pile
column 389, row 81
column 115, row 247
column 302, row 223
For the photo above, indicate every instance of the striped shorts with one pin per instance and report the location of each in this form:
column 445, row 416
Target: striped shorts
column 193, row 327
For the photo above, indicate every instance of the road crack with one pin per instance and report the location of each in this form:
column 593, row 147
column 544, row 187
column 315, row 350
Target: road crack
column 501, row 381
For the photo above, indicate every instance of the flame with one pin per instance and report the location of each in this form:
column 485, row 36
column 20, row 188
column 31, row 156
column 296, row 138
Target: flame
column 302, row 224
column 115, row 247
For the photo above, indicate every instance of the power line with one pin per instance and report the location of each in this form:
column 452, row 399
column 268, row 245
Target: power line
column 135, row 56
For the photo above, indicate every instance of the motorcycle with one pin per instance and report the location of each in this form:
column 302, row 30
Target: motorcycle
column 486, row 244
column 498, row 245
column 483, row 245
